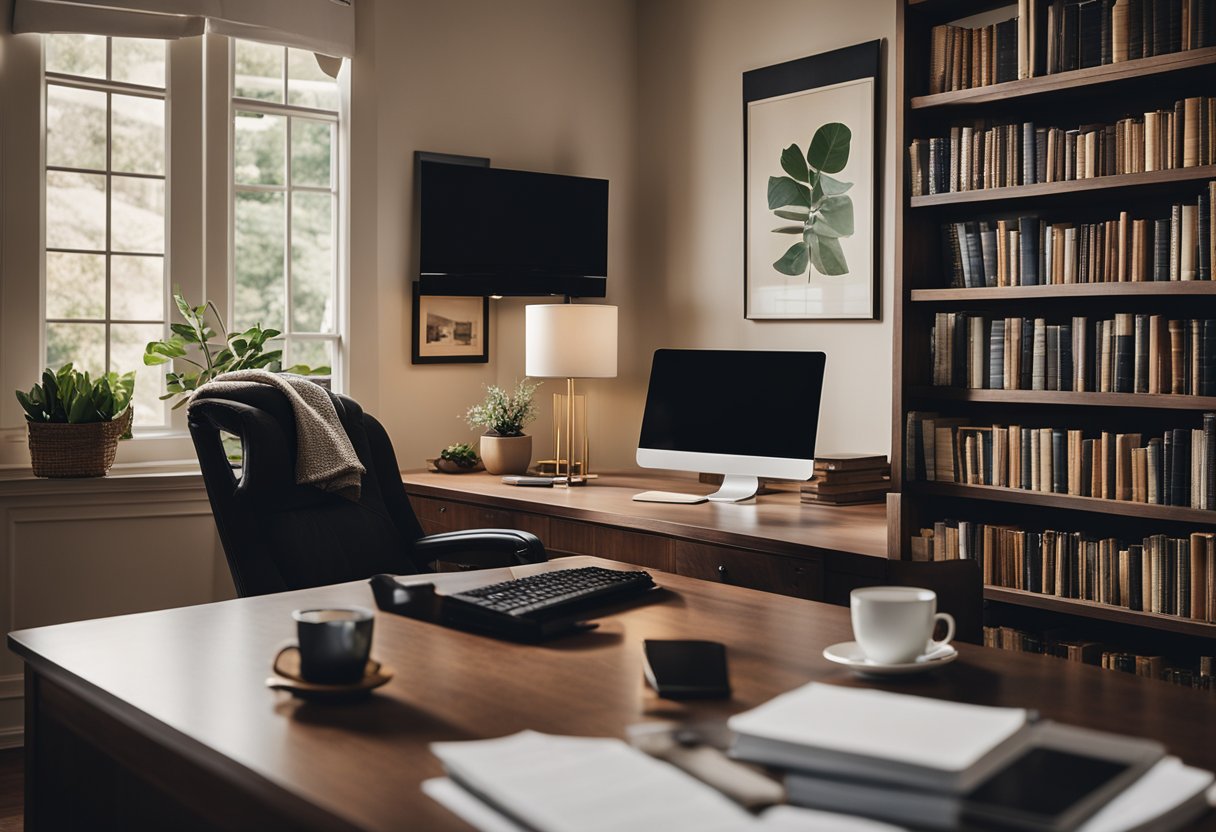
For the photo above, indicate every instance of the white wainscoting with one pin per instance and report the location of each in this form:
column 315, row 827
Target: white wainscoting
column 79, row 549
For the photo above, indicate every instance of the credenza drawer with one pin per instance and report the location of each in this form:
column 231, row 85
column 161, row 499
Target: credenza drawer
column 434, row 515
column 799, row 577
column 571, row 537
column 448, row 516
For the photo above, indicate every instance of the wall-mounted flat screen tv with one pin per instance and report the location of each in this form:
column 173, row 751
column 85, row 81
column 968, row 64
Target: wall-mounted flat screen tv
column 510, row 232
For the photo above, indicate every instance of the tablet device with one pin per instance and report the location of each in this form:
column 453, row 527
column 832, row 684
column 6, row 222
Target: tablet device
column 687, row 669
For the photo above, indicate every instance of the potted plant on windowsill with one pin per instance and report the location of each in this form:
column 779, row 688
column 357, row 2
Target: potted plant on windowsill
column 505, row 449
column 75, row 422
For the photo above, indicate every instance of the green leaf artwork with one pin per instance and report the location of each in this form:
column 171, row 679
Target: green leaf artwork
column 809, row 196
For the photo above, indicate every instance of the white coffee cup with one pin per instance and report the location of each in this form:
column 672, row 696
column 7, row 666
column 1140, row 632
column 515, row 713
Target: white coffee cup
column 894, row 624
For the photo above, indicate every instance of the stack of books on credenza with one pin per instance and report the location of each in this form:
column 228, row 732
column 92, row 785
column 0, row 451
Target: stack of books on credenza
column 933, row 764
column 847, row 479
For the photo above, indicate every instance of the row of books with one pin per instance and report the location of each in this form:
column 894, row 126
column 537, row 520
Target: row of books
column 1161, row 574
column 1129, row 353
column 981, row 156
column 1058, row 36
column 962, row 58
column 1175, row 469
column 1068, row 645
column 1030, row 251
column 1098, row 32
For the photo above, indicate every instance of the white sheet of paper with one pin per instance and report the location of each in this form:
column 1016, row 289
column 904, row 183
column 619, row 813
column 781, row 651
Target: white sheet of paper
column 577, row 784
column 1167, row 784
column 946, row 736
column 777, row 819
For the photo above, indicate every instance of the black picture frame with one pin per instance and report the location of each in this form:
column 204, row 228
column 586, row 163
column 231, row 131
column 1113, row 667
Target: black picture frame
column 851, row 63
column 421, row 351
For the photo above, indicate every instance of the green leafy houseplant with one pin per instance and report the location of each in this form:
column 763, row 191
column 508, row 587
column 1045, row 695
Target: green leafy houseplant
column 74, row 421
column 216, row 352
column 815, row 201
column 460, row 454
column 72, row 397
column 503, row 413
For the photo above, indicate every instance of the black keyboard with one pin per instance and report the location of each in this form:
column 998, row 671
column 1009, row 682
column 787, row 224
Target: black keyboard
column 544, row 604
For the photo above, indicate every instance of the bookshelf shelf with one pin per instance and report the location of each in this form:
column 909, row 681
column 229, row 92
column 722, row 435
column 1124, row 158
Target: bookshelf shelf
column 939, row 11
column 1093, row 505
column 1146, row 401
column 1106, row 187
column 1102, row 612
column 1174, row 288
column 1081, row 79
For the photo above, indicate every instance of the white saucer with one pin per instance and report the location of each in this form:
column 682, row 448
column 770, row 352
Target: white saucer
column 848, row 653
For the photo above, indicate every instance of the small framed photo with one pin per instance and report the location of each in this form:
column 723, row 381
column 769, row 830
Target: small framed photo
column 450, row 330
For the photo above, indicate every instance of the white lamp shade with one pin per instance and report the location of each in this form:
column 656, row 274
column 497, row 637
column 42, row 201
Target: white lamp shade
column 565, row 340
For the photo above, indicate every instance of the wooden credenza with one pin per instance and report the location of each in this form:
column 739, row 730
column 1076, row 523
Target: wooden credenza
column 775, row 544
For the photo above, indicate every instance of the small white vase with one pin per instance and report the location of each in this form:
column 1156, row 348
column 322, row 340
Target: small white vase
column 506, row 454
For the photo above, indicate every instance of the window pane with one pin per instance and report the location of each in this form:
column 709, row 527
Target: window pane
column 258, row 151
column 75, row 285
column 137, row 288
column 313, row 353
column 84, row 345
column 311, row 152
column 138, row 61
column 75, row 127
column 259, row 260
column 259, row 71
column 127, row 343
column 76, row 54
column 307, row 85
column 312, row 262
column 138, row 139
column 75, row 210
column 137, row 214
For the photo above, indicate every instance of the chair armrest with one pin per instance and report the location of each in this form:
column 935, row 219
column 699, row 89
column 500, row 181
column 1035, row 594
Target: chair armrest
column 481, row 547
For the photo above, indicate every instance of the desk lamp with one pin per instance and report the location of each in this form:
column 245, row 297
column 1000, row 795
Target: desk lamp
column 564, row 340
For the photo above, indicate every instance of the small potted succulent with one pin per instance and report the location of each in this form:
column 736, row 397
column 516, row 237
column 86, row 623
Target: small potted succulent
column 505, row 449
column 458, row 459
column 75, row 421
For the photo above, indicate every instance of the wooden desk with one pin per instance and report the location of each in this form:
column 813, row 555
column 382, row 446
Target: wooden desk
column 161, row 720
column 776, row 543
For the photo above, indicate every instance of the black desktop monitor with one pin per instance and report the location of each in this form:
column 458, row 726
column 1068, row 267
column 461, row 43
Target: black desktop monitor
column 742, row 413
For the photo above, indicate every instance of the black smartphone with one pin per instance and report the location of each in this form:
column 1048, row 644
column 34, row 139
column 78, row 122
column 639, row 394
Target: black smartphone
column 687, row 669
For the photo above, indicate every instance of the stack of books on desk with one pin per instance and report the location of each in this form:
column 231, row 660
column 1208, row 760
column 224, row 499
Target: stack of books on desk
column 846, row 479
column 944, row 765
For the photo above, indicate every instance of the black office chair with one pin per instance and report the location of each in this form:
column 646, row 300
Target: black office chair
column 959, row 587
column 280, row 536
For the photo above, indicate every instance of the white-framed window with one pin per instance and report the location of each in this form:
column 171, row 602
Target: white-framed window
column 106, row 143
column 286, row 246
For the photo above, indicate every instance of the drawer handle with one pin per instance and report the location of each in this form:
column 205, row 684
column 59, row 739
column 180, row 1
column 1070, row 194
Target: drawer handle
column 443, row 509
column 722, row 573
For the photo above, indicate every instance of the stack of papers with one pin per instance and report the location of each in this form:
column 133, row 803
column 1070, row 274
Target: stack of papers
column 533, row 781
column 945, row 765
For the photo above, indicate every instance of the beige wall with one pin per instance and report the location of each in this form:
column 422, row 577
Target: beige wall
column 692, row 54
column 546, row 85
column 645, row 94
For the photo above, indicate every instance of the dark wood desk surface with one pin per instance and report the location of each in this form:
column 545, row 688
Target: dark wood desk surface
column 178, row 696
column 777, row 522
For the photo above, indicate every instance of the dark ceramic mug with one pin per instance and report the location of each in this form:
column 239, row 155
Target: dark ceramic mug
column 334, row 643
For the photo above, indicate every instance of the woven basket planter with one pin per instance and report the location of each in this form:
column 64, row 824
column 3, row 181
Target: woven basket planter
column 58, row 449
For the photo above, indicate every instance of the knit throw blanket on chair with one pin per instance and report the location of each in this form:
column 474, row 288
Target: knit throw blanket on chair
column 325, row 457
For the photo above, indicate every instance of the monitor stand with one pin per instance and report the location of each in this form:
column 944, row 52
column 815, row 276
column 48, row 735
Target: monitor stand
column 736, row 488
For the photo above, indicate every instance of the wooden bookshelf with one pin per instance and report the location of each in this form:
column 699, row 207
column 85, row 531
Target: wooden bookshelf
column 1088, row 291
column 1139, row 401
column 1096, row 95
column 1102, row 612
column 1092, row 505
column 1101, row 187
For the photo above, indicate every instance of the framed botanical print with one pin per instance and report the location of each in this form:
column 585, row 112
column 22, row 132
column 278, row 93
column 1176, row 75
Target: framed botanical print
column 811, row 187
column 450, row 330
